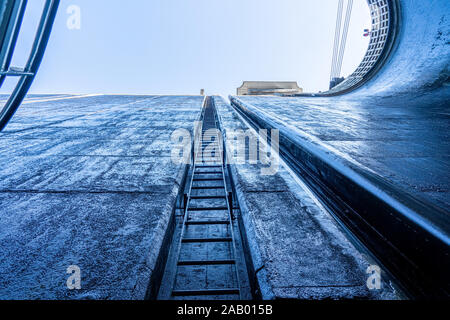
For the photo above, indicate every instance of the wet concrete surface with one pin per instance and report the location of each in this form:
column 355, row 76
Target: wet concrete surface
column 88, row 181
column 297, row 249
column 405, row 141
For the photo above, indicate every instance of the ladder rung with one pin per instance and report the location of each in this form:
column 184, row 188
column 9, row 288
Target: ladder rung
column 194, row 240
column 207, row 197
column 214, row 179
column 205, row 262
column 205, row 172
column 207, row 222
column 205, row 292
column 15, row 72
column 208, row 209
column 207, row 188
column 209, row 166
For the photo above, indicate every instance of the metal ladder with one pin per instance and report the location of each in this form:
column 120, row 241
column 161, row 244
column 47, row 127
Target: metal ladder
column 206, row 256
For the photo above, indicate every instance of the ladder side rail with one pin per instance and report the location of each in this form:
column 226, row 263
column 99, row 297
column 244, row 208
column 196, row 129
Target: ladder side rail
column 11, row 33
column 186, row 209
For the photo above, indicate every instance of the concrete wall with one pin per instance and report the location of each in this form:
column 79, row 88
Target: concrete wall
column 88, row 182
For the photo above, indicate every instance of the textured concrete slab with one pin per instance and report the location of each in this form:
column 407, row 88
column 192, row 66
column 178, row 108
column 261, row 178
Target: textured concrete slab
column 88, row 181
column 297, row 248
column 404, row 143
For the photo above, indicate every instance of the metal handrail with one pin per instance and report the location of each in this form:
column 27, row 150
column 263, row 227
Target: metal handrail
column 12, row 20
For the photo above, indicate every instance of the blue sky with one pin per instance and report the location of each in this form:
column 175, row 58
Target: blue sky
column 180, row 46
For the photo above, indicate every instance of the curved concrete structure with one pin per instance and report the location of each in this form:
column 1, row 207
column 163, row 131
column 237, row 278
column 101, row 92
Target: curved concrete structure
column 385, row 26
column 409, row 49
column 419, row 62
